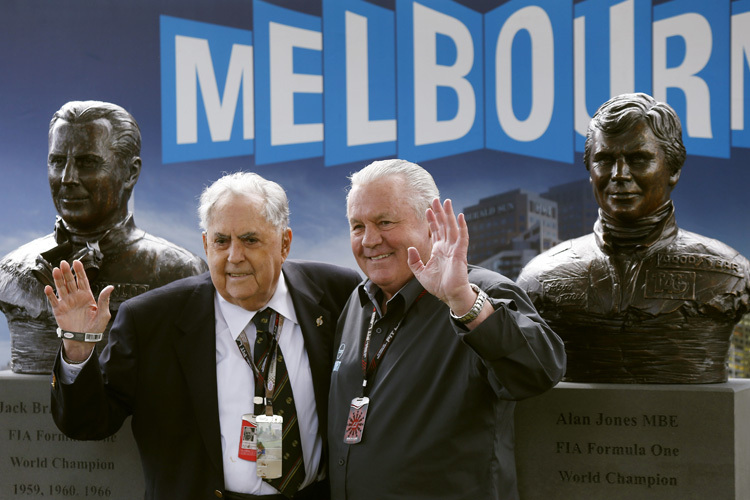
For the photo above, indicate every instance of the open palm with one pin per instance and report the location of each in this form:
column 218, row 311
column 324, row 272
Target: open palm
column 74, row 306
column 445, row 275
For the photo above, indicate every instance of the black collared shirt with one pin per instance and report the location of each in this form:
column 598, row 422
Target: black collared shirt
column 440, row 420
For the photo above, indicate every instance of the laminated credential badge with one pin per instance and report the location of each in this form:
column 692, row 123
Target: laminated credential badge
column 268, row 436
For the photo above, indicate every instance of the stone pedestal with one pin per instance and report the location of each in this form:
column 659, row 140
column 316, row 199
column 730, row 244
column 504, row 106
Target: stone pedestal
column 611, row 441
column 37, row 460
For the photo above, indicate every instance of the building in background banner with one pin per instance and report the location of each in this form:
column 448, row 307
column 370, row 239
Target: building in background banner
column 576, row 208
column 507, row 230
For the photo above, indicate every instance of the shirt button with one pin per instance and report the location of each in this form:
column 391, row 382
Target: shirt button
column 341, row 461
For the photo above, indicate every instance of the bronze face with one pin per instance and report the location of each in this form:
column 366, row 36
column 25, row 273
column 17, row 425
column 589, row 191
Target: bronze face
column 90, row 184
column 629, row 174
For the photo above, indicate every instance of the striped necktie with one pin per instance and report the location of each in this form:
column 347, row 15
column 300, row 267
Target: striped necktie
column 293, row 467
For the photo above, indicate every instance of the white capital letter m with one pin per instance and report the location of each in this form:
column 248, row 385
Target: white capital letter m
column 193, row 65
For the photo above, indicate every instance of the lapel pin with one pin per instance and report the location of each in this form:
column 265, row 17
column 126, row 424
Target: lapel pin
column 319, row 321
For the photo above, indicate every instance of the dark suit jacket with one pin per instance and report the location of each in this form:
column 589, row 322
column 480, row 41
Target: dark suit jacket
column 160, row 367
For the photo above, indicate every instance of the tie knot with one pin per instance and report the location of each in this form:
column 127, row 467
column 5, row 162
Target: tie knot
column 261, row 319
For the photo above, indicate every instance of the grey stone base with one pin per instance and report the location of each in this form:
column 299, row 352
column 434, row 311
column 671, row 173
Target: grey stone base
column 37, row 460
column 610, row 441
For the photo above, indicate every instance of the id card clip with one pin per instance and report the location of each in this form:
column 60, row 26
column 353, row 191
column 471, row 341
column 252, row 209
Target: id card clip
column 355, row 424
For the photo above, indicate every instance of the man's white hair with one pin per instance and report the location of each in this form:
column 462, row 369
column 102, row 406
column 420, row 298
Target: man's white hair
column 275, row 207
column 418, row 182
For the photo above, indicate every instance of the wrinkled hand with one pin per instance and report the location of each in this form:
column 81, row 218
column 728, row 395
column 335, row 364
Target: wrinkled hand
column 74, row 306
column 445, row 275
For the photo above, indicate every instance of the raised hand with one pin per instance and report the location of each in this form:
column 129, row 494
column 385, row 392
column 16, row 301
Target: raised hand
column 74, row 306
column 445, row 275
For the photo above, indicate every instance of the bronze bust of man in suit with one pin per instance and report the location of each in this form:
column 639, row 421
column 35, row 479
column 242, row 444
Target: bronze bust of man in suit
column 639, row 300
column 93, row 165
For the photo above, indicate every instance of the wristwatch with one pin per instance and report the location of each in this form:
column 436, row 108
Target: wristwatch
column 81, row 337
column 475, row 309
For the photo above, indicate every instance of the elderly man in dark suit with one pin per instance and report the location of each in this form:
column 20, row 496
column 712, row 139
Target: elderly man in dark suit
column 179, row 360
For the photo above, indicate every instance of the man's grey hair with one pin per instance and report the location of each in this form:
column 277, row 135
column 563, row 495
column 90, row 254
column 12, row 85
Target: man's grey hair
column 126, row 135
column 418, row 182
column 275, row 206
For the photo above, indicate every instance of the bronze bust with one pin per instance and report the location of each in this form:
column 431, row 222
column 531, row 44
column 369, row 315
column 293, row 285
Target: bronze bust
column 639, row 300
column 93, row 165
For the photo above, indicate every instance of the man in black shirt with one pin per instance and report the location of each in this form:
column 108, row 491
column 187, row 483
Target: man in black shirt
column 431, row 352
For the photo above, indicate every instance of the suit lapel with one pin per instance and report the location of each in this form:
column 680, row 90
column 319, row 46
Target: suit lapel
column 195, row 345
column 318, row 327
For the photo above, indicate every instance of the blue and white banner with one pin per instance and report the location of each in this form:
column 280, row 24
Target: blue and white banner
column 434, row 78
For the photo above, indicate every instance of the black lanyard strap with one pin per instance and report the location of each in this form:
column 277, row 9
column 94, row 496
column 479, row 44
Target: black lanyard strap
column 264, row 375
column 368, row 371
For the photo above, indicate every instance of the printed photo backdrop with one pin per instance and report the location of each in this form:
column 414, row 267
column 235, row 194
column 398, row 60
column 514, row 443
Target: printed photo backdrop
column 489, row 96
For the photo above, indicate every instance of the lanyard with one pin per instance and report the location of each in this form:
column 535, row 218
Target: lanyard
column 265, row 375
column 369, row 371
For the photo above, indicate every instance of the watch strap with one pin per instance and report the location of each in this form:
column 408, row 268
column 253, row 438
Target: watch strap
column 80, row 337
column 475, row 309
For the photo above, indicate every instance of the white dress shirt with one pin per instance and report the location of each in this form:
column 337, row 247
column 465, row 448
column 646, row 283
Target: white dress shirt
column 236, row 389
